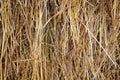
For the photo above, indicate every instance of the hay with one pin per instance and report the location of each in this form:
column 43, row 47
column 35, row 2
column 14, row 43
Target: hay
column 59, row 39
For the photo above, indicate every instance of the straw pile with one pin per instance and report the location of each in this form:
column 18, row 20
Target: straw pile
column 59, row 39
